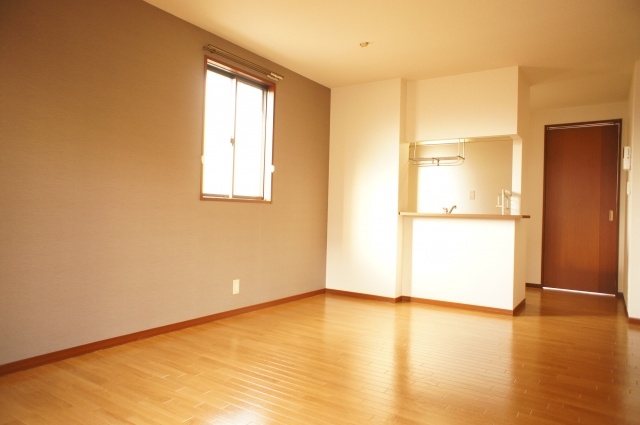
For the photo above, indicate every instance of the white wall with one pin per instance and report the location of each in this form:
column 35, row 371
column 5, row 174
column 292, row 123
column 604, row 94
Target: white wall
column 533, row 174
column 519, row 147
column 363, row 222
column 633, row 235
column 469, row 105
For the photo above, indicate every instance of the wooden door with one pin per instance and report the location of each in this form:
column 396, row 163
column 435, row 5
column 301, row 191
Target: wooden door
column 580, row 218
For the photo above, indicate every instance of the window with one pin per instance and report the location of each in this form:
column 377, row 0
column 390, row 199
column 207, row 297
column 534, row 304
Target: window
column 238, row 135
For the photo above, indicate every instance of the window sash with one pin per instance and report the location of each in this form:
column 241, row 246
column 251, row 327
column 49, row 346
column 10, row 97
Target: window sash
column 249, row 129
column 237, row 145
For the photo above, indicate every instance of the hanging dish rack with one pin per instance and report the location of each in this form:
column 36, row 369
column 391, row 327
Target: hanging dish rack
column 437, row 153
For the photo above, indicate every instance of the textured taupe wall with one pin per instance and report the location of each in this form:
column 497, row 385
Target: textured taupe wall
column 102, row 232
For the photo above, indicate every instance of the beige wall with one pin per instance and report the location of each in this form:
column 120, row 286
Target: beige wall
column 102, row 229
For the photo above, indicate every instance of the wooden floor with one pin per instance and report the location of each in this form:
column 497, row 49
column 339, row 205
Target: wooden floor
column 566, row 359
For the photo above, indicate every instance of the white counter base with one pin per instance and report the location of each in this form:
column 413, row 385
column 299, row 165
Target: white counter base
column 473, row 260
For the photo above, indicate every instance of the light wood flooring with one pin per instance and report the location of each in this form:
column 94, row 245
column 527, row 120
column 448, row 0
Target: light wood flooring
column 566, row 359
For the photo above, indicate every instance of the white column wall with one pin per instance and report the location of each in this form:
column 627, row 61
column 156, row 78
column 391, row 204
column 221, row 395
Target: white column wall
column 363, row 224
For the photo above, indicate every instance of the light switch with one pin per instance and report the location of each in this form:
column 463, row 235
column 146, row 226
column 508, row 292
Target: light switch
column 626, row 158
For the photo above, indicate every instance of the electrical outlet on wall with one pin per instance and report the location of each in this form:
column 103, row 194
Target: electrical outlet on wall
column 236, row 286
column 472, row 195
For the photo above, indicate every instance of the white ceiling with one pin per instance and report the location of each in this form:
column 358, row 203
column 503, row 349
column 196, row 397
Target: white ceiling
column 573, row 52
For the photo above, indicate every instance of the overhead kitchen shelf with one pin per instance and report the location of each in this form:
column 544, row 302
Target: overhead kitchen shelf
column 437, row 152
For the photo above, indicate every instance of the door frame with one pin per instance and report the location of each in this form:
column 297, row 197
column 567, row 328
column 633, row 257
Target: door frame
column 617, row 122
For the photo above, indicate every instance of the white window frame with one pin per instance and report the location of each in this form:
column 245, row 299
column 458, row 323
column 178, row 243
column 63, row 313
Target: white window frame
column 232, row 162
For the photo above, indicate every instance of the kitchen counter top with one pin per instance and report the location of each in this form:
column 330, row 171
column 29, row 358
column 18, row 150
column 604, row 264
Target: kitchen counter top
column 476, row 216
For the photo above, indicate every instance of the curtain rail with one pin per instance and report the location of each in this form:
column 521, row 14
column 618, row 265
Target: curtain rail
column 268, row 73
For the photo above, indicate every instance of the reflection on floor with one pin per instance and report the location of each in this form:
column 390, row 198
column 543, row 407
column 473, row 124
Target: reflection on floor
column 566, row 359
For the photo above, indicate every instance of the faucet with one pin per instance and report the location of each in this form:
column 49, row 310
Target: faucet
column 450, row 210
